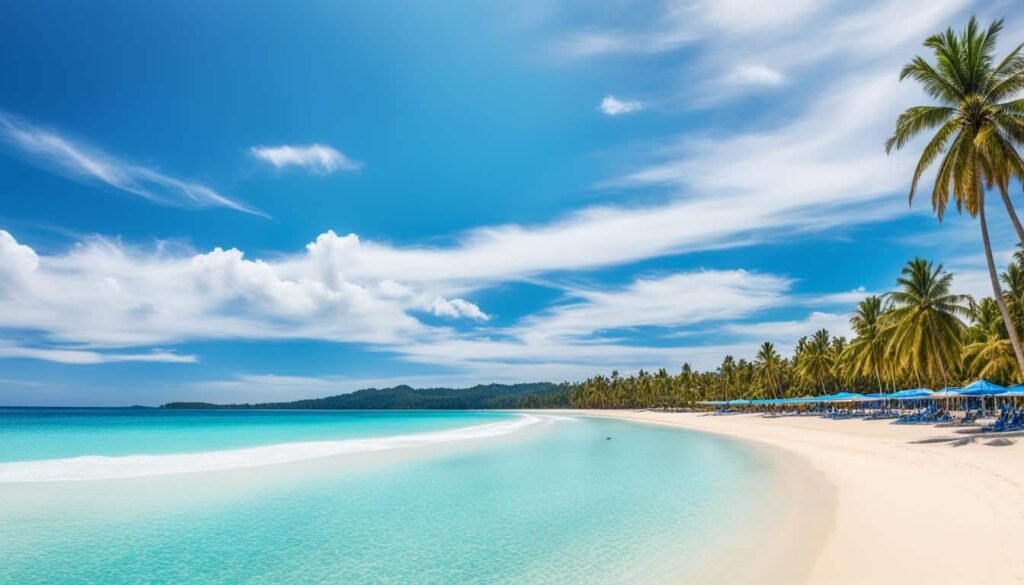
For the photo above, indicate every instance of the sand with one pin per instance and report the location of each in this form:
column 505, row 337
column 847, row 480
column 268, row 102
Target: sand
column 894, row 504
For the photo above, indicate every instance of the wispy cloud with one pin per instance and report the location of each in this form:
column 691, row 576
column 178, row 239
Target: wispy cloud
column 752, row 74
column 787, row 39
column 612, row 106
column 786, row 333
column 669, row 301
column 88, row 357
column 316, row 159
column 79, row 161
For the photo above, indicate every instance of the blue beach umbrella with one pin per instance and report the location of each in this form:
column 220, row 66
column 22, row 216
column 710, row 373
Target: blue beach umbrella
column 982, row 388
column 912, row 394
column 846, row 397
column 1014, row 391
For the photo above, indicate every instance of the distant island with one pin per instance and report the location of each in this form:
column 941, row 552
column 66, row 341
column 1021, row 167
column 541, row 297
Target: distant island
column 481, row 396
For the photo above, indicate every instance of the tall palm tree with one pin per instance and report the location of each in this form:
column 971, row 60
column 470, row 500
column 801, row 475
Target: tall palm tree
column 816, row 359
column 979, row 120
column 768, row 369
column 865, row 354
column 926, row 321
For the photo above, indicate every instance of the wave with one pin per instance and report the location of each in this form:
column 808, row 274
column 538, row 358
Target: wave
column 97, row 467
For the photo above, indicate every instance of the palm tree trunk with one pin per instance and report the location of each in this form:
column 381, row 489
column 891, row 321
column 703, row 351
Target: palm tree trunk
column 1013, row 215
column 942, row 368
column 996, row 289
column 879, row 378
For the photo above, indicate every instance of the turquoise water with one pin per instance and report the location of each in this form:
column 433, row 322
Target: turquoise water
column 553, row 501
column 44, row 433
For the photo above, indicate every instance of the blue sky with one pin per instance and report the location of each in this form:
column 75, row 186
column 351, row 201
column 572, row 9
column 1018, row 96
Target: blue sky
column 203, row 202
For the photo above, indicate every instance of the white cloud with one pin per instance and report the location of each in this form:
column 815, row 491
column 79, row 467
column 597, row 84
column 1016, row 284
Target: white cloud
column 86, row 357
column 86, row 163
column 682, row 23
column 786, row 333
column 752, row 74
column 970, row 272
column 456, row 308
column 669, row 301
column 613, row 106
column 317, row 159
column 105, row 294
column 102, row 295
column 17, row 262
column 722, row 38
column 851, row 297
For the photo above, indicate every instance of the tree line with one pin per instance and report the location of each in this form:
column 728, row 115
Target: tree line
column 918, row 335
column 481, row 396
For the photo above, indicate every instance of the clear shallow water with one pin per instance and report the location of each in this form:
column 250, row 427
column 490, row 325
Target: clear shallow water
column 44, row 433
column 554, row 502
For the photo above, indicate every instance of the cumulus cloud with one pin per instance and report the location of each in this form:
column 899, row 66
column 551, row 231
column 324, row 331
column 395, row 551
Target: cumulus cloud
column 316, row 159
column 612, row 106
column 78, row 161
column 456, row 308
column 106, row 294
column 16, row 261
column 102, row 296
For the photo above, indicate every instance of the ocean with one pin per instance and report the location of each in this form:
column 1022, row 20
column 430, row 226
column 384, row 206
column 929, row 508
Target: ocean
column 225, row 496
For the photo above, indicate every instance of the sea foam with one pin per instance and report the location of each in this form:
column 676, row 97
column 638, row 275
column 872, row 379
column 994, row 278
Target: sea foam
column 94, row 467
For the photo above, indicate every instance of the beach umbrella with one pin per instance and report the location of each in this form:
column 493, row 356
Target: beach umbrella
column 846, row 396
column 912, row 394
column 982, row 388
column 1014, row 391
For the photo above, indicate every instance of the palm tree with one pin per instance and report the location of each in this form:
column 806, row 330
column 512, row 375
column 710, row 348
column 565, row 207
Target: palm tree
column 768, row 369
column 866, row 352
column 727, row 372
column 988, row 353
column 926, row 321
column 979, row 121
column 1013, row 278
column 816, row 359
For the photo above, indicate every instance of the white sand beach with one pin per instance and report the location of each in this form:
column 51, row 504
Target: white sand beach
column 912, row 504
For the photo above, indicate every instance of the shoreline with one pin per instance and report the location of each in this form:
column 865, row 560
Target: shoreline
column 911, row 503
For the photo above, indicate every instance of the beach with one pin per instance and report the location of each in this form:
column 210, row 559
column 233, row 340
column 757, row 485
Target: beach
column 912, row 504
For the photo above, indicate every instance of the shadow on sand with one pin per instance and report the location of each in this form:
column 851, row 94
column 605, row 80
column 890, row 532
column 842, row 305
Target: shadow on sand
column 968, row 436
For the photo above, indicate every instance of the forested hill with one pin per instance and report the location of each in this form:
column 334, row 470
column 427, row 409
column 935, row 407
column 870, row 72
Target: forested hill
column 483, row 396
